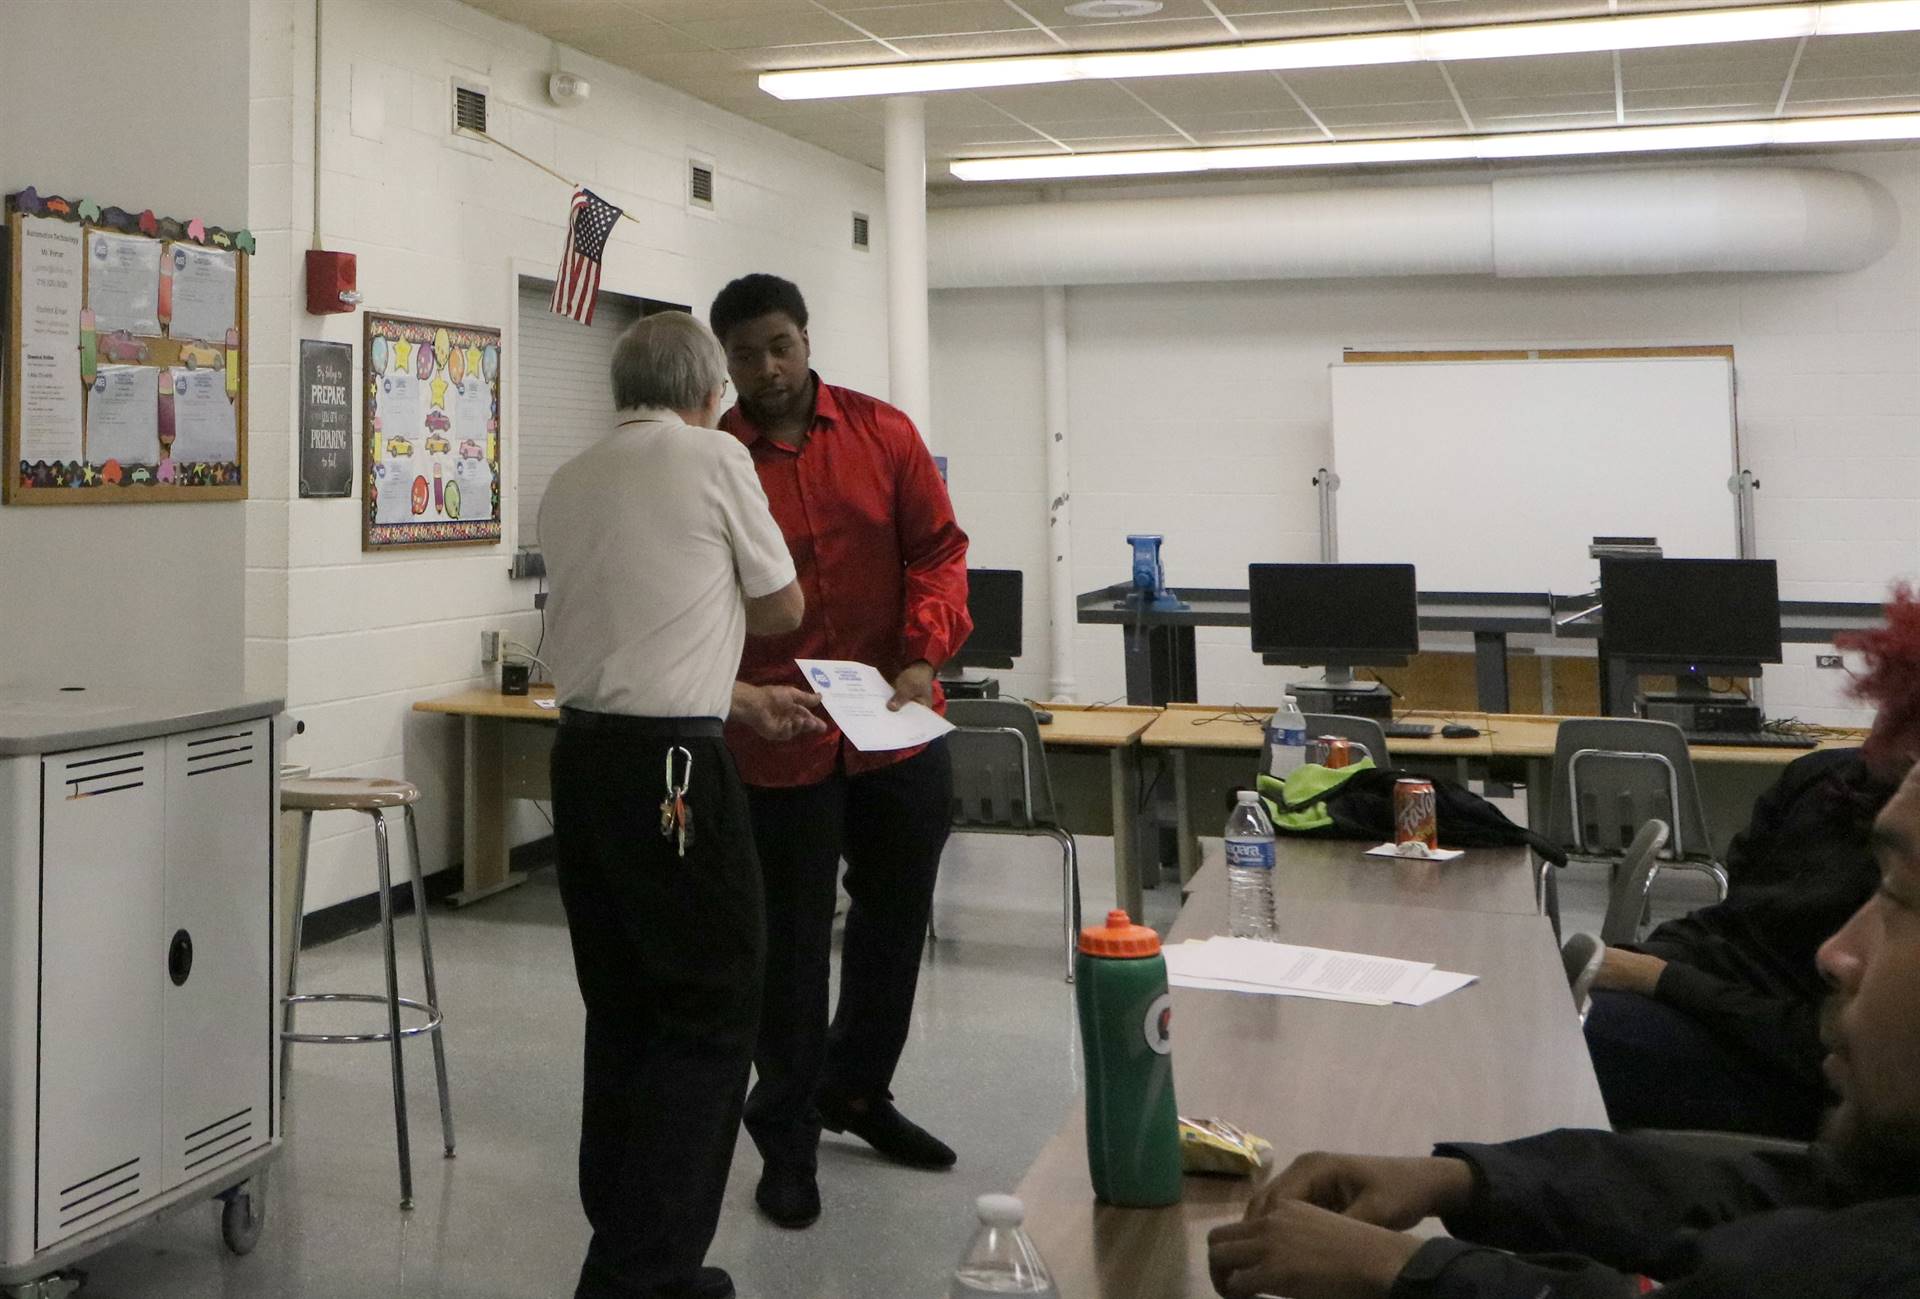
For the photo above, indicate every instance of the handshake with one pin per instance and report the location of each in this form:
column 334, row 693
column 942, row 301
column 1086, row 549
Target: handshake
column 1333, row 1226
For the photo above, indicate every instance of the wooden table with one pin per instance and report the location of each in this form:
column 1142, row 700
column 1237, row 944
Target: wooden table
column 1500, row 1059
column 1216, row 749
column 508, row 738
column 1092, row 753
column 1093, row 760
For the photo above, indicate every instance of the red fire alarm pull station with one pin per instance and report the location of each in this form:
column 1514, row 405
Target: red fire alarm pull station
column 331, row 280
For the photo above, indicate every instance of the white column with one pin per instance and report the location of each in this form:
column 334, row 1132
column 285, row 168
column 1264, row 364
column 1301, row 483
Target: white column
column 909, row 367
column 1060, row 592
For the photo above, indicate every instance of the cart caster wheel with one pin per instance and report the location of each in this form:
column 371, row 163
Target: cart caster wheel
column 242, row 1216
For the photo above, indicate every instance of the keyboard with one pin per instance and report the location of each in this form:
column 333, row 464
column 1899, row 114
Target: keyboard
column 1407, row 730
column 1753, row 739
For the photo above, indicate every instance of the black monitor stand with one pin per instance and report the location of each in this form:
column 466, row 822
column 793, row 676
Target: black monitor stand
column 1337, row 691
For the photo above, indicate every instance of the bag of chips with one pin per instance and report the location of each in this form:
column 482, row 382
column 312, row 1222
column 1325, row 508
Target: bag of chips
column 1217, row 1146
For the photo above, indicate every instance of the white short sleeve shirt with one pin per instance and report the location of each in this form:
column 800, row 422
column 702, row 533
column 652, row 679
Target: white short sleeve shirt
column 654, row 539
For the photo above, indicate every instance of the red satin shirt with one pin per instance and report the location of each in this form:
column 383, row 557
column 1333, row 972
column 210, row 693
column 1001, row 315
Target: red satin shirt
column 880, row 559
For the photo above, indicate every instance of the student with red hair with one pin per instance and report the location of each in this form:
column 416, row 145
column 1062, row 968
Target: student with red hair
column 1712, row 1021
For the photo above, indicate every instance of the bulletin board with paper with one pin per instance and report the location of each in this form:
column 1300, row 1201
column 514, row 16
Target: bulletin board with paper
column 432, row 433
column 125, row 356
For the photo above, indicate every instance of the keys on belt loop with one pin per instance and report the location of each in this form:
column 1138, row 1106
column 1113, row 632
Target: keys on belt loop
column 676, row 815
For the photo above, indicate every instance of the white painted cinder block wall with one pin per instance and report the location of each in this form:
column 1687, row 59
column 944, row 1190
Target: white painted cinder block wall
column 115, row 596
column 1202, row 410
column 441, row 228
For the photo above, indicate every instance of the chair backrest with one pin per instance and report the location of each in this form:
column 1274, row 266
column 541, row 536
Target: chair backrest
column 1632, row 881
column 1581, row 957
column 1363, row 729
column 1624, row 772
column 1000, row 776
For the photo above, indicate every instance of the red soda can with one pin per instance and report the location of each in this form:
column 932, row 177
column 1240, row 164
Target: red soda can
column 1339, row 752
column 1317, row 749
column 1415, row 815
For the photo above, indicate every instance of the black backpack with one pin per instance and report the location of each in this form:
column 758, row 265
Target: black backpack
column 1362, row 808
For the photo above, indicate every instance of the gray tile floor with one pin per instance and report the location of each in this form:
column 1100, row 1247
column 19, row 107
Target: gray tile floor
column 992, row 1067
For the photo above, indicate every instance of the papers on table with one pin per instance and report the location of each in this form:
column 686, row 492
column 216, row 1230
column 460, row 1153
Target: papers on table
column 123, row 415
column 1285, row 970
column 855, row 696
column 203, row 292
column 123, row 282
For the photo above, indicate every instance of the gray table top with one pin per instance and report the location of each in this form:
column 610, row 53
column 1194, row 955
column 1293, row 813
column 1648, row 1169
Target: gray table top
column 1499, row 1059
column 51, row 719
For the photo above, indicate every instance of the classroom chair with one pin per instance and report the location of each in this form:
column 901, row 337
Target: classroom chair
column 1001, row 786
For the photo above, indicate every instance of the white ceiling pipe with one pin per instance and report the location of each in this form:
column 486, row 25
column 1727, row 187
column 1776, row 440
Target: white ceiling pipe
column 1616, row 223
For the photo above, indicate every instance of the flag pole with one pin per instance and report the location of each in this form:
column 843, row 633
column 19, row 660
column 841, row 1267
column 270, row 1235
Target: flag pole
column 535, row 162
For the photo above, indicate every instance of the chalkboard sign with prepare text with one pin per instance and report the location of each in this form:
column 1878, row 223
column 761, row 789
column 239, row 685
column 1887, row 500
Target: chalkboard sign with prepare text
column 326, row 418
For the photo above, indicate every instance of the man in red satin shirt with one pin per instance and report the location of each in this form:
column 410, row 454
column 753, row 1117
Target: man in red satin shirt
column 883, row 565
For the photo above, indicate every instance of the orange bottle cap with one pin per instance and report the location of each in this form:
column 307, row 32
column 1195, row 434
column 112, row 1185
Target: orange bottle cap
column 1119, row 937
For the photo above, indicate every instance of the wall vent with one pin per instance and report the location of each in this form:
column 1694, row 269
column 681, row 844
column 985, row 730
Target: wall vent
column 469, row 107
column 700, row 183
column 862, row 231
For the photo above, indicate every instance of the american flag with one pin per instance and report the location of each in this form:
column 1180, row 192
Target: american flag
column 577, row 285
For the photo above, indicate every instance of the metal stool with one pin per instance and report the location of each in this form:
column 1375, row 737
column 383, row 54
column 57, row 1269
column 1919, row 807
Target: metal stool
column 371, row 796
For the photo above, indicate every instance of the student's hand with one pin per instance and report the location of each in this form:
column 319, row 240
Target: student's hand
column 1382, row 1190
column 1624, row 971
column 777, row 712
column 914, row 685
column 1306, row 1252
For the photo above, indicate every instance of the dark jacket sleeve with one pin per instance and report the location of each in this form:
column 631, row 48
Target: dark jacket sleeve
column 1453, row 1269
column 1623, row 1201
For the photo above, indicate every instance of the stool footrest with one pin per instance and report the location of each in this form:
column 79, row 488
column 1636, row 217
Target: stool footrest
column 432, row 1013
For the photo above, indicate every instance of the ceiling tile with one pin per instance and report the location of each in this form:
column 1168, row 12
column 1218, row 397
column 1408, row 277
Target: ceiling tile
column 1893, row 54
column 1337, row 87
column 954, row 17
column 795, row 27
column 1894, row 94
column 1320, row 21
column 832, row 55
column 1459, row 13
column 1075, row 101
column 1546, row 75
column 1232, row 92
column 977, row 45
column 1152, row 34
column 1490, row 112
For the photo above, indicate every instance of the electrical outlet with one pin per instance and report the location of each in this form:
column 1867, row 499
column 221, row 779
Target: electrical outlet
column 1828, row 661
column 489, row 647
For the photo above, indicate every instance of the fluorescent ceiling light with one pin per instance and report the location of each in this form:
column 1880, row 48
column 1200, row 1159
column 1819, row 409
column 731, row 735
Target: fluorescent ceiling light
column 1442, row 44
column 1454, row 148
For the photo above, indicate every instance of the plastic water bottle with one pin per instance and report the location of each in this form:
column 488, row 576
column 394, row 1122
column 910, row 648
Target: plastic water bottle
column 1286, row 739
column 1250, row 857
column 1001, row 1259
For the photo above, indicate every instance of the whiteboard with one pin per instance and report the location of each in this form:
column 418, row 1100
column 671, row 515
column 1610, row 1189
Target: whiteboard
column 1497, row 475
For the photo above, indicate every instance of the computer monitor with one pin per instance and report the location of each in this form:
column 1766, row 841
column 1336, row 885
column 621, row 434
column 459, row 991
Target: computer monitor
column 1692, row 618
column 1340, row 615
column 993, row 601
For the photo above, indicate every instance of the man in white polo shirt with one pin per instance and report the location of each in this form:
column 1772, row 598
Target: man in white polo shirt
column 663, row 557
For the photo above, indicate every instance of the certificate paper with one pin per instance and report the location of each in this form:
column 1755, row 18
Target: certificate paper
column 203, row 292
column 123, row 415
column 203, row 422
column 123, row 282
column 855, row 696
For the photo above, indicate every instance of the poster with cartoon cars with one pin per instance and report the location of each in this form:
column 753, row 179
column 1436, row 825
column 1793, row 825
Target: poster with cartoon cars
column 432, row 433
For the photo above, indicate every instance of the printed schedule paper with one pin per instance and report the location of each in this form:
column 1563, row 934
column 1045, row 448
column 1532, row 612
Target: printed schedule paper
column 855, row 696
column 1284, row 969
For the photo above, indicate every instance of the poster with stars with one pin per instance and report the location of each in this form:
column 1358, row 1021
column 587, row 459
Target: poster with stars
column 431, row 434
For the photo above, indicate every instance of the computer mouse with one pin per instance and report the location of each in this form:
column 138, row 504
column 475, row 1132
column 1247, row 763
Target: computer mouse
column 1043, row 717
column 1458, row 731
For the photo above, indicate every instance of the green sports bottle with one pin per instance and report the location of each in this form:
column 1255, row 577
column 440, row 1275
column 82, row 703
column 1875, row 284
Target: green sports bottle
column 1133, row 1128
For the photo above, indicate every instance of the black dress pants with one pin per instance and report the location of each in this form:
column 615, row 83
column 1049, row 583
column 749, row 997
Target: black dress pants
column 890, row 825
column 668, row 954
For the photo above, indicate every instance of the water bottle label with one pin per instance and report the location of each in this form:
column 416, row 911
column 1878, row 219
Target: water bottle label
column 1158, row 1027
column 1250, row 854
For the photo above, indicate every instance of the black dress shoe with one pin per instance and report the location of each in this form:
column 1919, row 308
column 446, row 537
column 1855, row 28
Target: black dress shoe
column 708, row 1283
column 890, row 1132
column 788, row 1195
